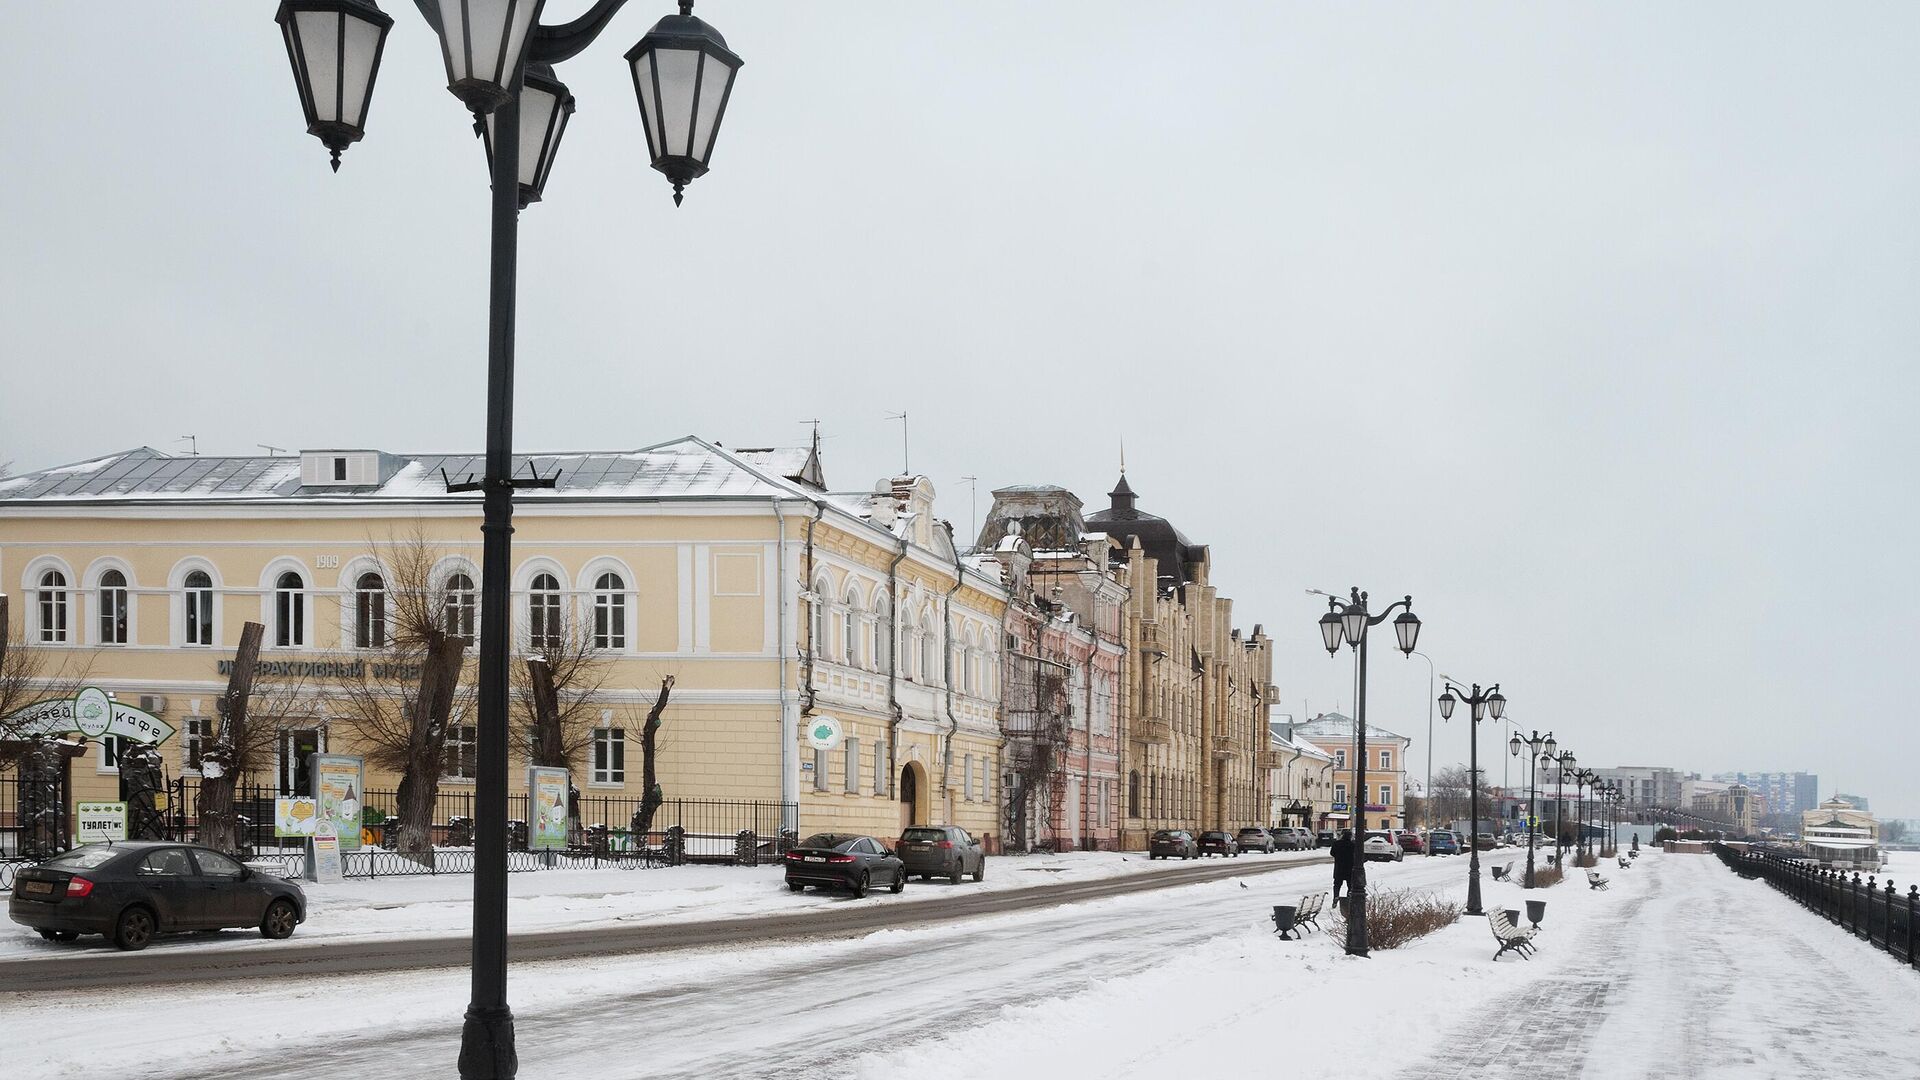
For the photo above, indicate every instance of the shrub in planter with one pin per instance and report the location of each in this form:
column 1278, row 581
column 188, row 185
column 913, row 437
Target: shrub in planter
column 1665, row 833
column 1586, row 860
column 1398, row 916
column 1546, row 877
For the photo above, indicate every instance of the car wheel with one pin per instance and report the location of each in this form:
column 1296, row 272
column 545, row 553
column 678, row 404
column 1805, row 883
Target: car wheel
column 959, row 871
column 60, row 935
column 134, row 929
column 794, row 886
column 980, row 872
column 860, row 887
column 279, row 921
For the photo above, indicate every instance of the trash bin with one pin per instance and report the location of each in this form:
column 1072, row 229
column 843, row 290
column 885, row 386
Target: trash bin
column 1536, row 910
column 1283, row 920
column 1513, row 916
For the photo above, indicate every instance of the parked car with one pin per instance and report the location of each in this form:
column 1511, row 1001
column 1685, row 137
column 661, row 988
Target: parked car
column 1173, row 844
column 1410, row 842
column 1325, row 837
column 1443, row 842
column 946, row 851
column 1380, row 847
column 1260, row 840
column 1484, row 841
column 844, row 861
column 1219, row 843
column 132, row 891
column 1292, row 838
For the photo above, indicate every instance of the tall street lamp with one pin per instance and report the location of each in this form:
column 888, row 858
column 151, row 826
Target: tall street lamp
column 1349, row 620
column 498, row 58
column 1538, row 747
column 1563, row 765
column 1428, row 823
column 1584, row 778
column 1480, row 705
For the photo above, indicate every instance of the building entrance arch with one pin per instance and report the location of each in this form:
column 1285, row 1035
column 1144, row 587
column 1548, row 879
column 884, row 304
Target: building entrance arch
column 915, row 798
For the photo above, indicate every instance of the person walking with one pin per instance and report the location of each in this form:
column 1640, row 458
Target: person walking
column 1342, row 851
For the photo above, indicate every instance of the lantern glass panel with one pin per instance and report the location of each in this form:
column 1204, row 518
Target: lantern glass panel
column 1447, row 702
column 643, row 76
column 714, row 77
column 1356, row 624
column 482, row 40
column 1497, row 705
column 1407, row 628
column 676, row 70
column 1550, row 746
column 1330, row 631
column 320, row 43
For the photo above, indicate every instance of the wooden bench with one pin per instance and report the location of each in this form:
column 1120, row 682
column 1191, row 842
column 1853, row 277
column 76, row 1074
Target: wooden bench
column 1500, row 872
column 1595, row 881
column 1511, row 937
column 1625, row 862
column 1309, row 913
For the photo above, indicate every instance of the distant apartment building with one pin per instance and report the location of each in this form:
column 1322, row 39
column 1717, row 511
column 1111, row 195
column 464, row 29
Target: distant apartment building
column 1786, row 792
column 1648, row 785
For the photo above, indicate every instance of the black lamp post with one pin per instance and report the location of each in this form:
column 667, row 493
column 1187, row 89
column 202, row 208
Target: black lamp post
column 498, row 58
column 1349, row 620
column 1563, row 765
column 1537, row 746
column 1481, row 705
column 1584, row 778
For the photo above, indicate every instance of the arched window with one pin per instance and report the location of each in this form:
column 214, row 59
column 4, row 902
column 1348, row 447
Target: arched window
column 113, row 608
column 544, row 625
column 909, row 642
column 929, row 648
column 817, row 641
column 199, row 603
column 1133, row 793
column 53, row 608
column 882, row 652
column 461, row 602
column 609, row 612
column 289, row 611
column 370, row 612
column 850, row 629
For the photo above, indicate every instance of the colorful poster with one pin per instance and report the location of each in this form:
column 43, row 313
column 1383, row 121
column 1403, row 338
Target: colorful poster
column 100, row 822
column 295, row 815
column 547, row 792
column 338, row 781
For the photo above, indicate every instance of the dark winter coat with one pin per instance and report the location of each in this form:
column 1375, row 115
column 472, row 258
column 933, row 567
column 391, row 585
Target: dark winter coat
column 1342, row 852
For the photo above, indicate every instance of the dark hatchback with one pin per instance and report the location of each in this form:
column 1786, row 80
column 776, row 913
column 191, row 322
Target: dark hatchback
column 1219, row 843
column 132, row 891
column 941, row 851
column 844, row 861
column 1173, row 844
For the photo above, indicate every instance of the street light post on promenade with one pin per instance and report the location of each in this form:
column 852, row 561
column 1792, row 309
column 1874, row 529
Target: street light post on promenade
column 1563, row 764
column 1480, row 706
column 498, row 59
column 1429, row 788
column 1584, row 778
column 1538, row 747
column 1349, row 620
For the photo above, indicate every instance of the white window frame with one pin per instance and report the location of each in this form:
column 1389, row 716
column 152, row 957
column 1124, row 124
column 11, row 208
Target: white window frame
column 966, row 769
column 460, row 607
column 1340, row 794
column 52, row 599
column 472, row 741
column 369, row 611
column 853, row 765
column 608, row 739
column 1340, row 758
column 882, row 637
column 295, row 622
column 113, row 607
column 880, row 769
column 199, row 609
column 552, row 607
column 612, row 612
column 1386, row 760
column 820, row 760
column 112, row 748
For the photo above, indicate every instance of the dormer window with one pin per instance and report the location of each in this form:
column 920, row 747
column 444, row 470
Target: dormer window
column 340, row 469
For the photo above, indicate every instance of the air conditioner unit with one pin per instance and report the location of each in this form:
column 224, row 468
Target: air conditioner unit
column 153, row 703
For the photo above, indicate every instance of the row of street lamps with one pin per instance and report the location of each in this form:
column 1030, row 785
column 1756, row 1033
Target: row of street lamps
column 1347, row 621
column 499, row 60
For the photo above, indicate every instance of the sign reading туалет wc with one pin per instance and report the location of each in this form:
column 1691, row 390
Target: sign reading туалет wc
column 99, row 822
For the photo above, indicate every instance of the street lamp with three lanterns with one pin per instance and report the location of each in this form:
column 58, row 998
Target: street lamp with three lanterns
column 1481, row 705
column 1539, row 749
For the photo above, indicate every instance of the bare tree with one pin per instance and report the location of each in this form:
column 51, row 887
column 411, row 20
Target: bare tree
column 652, row 794
column 29, row 675
column 557, row 696
column 398, row 704
column 1451, row 798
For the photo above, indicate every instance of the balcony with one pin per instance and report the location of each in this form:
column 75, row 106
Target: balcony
column 1271, row 759
column 1151, row 730
column 1153, row 639
column 1226, row 744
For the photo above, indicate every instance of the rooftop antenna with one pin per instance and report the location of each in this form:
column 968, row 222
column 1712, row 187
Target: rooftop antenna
column 973, row 487
column 1123, row 455
column 271, row 450
column 906, row 463
column 193, row 445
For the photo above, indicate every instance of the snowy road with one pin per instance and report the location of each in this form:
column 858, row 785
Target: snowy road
column 1682, row 969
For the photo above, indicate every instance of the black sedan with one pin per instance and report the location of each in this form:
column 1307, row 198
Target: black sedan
column 1173, row 844
column 1219, row 843
column 132, row 891
column 844, row 861
column 941, row 851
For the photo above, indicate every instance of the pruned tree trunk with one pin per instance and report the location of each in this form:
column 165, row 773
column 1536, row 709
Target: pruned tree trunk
column 549, row 741
column 649, row 774
column 431, row 709
column 219, row 828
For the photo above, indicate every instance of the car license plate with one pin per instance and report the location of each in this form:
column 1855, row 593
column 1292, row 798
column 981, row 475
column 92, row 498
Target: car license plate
column 37, row 888
column 813, row 858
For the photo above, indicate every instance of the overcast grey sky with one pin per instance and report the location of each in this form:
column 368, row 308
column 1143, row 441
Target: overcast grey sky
column 1591, row 326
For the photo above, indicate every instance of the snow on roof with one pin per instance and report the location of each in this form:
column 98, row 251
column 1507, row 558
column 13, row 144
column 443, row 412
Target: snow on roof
column 682, row 468
column 1336, row 726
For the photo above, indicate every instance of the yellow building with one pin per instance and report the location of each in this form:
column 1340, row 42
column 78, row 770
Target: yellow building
column 770, row 601
column 1383, row 804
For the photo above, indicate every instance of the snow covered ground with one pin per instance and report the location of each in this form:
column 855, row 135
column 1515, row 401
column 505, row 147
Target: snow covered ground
column 555, row 899
column 1681, row 969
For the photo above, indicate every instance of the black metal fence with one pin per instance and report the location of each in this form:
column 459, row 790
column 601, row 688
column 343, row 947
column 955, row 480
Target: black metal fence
column 1867, row 907
column 726, row 831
